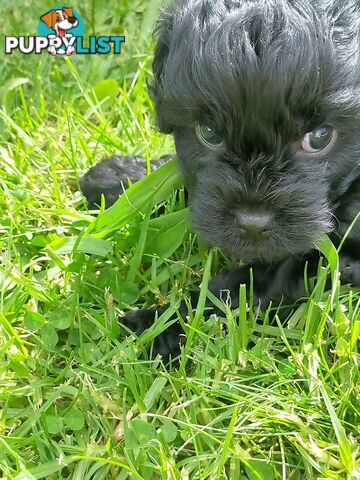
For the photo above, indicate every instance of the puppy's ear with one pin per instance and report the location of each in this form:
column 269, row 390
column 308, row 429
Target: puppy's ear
column 163, row 30
column 68, row 11
column 48, row 18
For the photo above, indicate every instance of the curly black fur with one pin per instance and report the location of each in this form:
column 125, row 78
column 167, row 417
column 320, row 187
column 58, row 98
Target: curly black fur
column 262, row 74
column 111, row 177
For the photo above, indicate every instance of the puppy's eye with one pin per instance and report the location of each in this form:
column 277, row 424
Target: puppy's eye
column 209, row 136
column 319, row 140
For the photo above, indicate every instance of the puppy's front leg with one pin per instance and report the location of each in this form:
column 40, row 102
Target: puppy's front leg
column 165, row 344
column 51, row 49
column 281, row 282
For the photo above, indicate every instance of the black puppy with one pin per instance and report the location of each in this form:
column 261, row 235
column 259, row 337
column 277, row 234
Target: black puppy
column 263, row 99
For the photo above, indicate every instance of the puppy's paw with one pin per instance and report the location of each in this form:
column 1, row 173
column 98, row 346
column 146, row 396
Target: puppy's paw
column 165, row 344
column 70, row 50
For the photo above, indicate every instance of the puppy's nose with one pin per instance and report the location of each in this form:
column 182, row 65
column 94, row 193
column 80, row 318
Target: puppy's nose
column 72, row 20
column 255, row 225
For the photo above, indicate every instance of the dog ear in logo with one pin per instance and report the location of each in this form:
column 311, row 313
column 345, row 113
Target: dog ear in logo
column 49, row 18
column 69, row 12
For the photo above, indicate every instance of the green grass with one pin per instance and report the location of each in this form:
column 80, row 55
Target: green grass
column 79, row 401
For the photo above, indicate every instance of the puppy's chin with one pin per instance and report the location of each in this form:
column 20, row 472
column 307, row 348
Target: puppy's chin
column 264, row 252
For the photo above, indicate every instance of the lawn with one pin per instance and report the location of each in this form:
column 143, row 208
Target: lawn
column 248, row 398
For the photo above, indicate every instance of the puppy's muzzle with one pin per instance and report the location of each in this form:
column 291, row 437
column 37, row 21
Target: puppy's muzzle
column 255, row 225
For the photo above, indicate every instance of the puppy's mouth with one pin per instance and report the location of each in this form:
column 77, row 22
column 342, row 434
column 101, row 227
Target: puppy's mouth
column 276, row 247
column 60, row 31
column 267, row 251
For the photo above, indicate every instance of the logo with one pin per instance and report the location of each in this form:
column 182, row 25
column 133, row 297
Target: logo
column 61, row 31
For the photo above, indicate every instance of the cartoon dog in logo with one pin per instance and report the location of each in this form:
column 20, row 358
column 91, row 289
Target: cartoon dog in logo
column 60, row 20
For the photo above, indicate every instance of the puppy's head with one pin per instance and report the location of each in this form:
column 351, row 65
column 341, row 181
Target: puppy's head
column 60, row 20
column 263, row 99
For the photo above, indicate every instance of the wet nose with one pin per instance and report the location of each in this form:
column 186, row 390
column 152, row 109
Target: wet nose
column 72, row 20
column 255, row 225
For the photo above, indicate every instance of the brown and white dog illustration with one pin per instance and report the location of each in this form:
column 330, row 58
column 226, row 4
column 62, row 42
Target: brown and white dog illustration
column 60, row 20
